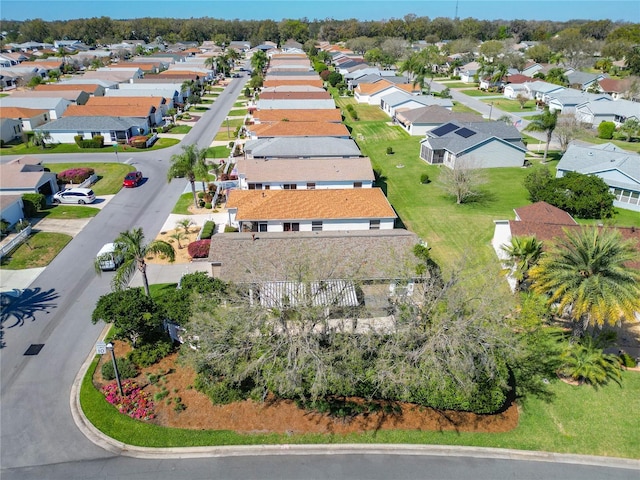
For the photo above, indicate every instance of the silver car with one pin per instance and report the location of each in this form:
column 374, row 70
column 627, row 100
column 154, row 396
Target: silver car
column 75, row 195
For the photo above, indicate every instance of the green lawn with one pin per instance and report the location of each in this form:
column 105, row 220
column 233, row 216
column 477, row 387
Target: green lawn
column 67, row 212
column 206, row 101
column 511, row 105
column 37, row 251
column 458, row 84
column 22, row 149
column 240, row 104
column 4, row 95
column 220, row 151
column 238, row 113
column 110, row 175
column 591, row 137
column 185, row 201
column 196, row 108
column 567, row 425
column 180, row 129
column 462, row 108
column 474, row 92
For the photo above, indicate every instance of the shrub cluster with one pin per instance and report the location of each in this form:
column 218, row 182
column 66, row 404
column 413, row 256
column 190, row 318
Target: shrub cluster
column 627, row 360
column 199, row 248
column 75, row 175
column 95, row 142
column 126, row 368
column 230, row 229
column 352, row 111
column 207, row 230
column 424, row 178
column 33, row 202
column 147, row 354
column 606, row 129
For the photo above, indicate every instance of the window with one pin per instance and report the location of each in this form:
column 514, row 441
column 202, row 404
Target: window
column 267, row 187
column 289, row 186
column 255, row 186
column 311, row 186
column 262, row 227
column 95, row 134
column 316, row 226
column 291, row 227
column 114, row 138
column 374, row 224
column 357, row 184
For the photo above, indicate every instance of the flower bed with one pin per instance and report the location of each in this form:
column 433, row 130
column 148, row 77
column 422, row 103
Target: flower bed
column 136, row 402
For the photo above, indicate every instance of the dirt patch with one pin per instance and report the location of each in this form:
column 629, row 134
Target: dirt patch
column 180, row 246
column 184, row 407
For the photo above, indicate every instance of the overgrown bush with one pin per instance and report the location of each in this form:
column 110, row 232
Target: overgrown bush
column 4, row 227
column 208, row 205
column 33, row 202
column 147, row 354
column 207, row 230
column 126, row 368
column 95, row 142
column 389, row 150
column 199, row 248
column 424, row 178
column 75, row 175
column 627, row 360
column 230, row 229
column 606, row 129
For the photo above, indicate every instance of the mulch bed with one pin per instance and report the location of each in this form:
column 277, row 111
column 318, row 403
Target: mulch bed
column 283, row 416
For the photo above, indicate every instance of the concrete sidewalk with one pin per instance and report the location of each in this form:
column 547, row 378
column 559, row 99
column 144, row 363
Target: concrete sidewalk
column 168, row 273
column 18, row 279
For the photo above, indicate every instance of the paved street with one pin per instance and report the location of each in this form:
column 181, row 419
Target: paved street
column 38, row 437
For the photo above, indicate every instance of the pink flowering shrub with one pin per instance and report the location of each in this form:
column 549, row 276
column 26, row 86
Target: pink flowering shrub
column 136, row 402
column 199, row 248
column 75, row 175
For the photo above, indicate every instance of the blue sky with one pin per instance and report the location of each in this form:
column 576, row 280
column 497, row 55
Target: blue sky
column 320, row 9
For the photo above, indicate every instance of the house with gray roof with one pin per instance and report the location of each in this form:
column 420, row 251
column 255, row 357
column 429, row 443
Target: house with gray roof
column 538, row 90
column 474, row 145
column 419, row 121
column 301, row 147
column 593, row 113
column 26, row 175
column 619, row 168
column 112, row 129
column 308, row 173
column 583, row 80
column 566, row 101
column 402, row 101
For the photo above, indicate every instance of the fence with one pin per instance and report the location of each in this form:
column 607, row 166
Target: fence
column 13, row 243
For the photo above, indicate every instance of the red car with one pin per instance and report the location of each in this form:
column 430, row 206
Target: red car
column 132, row 179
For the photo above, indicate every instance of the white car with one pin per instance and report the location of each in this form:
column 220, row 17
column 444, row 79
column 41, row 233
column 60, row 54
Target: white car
column 75, row 195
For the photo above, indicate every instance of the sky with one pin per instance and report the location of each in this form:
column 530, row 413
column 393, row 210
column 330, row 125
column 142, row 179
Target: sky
column 557, row 10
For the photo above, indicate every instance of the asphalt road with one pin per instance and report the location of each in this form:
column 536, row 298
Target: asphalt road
column 38, row 438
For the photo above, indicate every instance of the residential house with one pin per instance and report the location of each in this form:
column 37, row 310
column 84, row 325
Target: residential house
column 474, row 145
column 419, row 121
column 371, row 93
column 286, row 89
column 11, row 208
column 10, row 128
column 76, row 97
column 94, row 89
column 305, row 174
column 619, row 169
column 114, row 75
column 617, row 88
column 531, row 68
column 310, row 210
column 296, row 95
column 301, row 147
column 8, row 81
column 274, row 82
column 297, row 129
column 566, row 101
column 300, row 115
column 583, row 80
column 26, row 175
column 593, row 113
column 150, row 108
column 512, row 90
column 296, row 104
column 393, row 103
column 27, row 119
column 538, row 90
column 55, row 105
column 468, row 72
column 547, row 224
column 113, row 129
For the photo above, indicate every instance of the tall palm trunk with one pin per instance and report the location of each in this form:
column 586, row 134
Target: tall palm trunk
column 142, row 266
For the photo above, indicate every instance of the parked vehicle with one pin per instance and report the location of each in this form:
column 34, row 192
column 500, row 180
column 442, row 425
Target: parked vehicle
column 132, row 179
column 75, row 195
column 107, row 259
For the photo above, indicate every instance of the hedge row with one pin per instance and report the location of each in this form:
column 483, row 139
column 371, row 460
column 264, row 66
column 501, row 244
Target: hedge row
column 207, row 230
column 75, row 175
column 96, row 142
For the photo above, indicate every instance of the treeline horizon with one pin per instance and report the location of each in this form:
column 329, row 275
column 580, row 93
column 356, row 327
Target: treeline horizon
column 104, row 30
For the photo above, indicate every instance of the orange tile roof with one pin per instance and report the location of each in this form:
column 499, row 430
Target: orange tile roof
column 19, row 112
column 43, row 64
column 543, row 212
column 123, row 101
column 107, row 111
column 51, row 87
column 371, row 88
column 299, row 115
column 310, row 204
column 300, row 129
column 280, row 83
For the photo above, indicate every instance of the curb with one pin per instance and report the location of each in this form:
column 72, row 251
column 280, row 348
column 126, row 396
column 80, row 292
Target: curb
column 119, row 448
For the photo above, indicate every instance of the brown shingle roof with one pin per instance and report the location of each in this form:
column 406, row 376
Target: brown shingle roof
column 19, row 112
column 299, row 129
column 542, row 212
column 52, row 87
column 310, row 204
column 122, row 101
column 107, row 111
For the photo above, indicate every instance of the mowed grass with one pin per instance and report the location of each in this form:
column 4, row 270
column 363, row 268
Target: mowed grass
column 219, row 151
column 238, row 113
column 38, row 251
column 110, row 175
column 181, row 129
column 183, row 204
column 67, row 212
column 474, row 92
column 511, row 105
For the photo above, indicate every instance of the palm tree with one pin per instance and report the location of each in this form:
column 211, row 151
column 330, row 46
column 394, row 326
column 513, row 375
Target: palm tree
column 587, row 275
column 185, row 223
column 130, row 246
column 585, row 362
column 190, row 164
column 545, row 122
column 259, row 61
column 178, row 235
column 524, row 253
